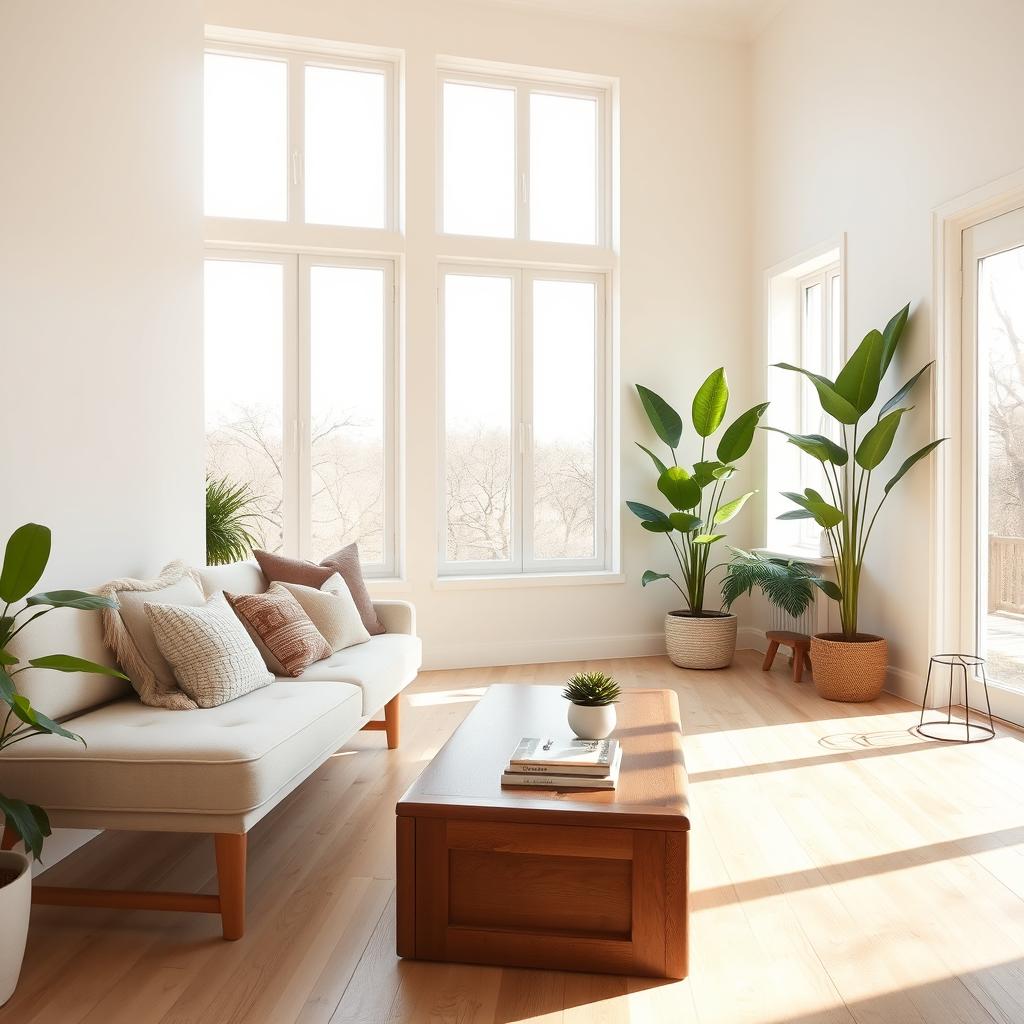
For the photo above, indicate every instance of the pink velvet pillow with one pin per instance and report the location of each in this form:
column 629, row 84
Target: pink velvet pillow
column 279, row 569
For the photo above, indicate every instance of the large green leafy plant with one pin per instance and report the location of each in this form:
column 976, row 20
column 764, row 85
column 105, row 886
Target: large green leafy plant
column 25, row 558
column 231, row 509
column 849, row 512
column 697, row 495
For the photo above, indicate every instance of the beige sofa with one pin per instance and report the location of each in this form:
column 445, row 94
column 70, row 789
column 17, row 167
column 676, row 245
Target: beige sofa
column 218, row 770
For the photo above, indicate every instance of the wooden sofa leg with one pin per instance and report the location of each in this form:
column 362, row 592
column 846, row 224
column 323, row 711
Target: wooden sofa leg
column 392, row 716
column 231, row 851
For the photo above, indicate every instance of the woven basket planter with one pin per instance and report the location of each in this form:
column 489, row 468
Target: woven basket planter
column 705, row 641
column 849, row 670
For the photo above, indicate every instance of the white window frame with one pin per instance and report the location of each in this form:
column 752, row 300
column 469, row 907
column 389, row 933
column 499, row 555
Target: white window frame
column 523, row 559
column 299, row 245
column 522, row 87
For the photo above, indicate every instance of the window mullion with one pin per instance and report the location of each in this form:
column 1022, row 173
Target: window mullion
column 524, row 345
column 296, row 139
column 522, row 162
column 299, row 473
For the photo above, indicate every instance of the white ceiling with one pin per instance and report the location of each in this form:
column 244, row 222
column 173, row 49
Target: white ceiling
column 735, row 19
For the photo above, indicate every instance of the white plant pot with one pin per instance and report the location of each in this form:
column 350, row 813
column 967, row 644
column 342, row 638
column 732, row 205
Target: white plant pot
column 592, row 723
column 705, row 641
column 15, row 905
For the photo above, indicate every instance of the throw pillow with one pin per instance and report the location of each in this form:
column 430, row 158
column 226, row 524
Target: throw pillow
column 346, row 563
column 127, row 631
column 283, row 626
column 292, row 570
column 332, row 610
column 209, row 649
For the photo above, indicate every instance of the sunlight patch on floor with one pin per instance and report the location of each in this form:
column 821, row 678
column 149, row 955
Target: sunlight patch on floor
column 438, row 697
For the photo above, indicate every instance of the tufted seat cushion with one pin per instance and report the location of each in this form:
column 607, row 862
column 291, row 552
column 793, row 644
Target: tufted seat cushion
column 381, row 667
column 235, row 760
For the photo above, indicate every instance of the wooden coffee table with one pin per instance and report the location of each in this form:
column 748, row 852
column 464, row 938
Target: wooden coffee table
column 579, row 880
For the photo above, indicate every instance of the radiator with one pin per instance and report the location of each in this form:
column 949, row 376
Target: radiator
column 814, row 620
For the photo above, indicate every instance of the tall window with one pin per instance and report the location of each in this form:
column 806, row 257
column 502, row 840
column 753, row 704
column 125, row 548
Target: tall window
column 806, row 328
column 524, row 325
column 300, row 335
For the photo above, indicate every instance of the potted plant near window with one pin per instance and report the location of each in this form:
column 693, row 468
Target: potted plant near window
column 850, row 665
column 592, row 697
column 25, row 558
column 696, row 636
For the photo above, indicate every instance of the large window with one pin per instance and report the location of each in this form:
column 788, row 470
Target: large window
column 525, row 484
column 300, row 337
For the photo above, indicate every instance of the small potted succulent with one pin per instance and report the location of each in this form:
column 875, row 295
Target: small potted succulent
column 592, row 697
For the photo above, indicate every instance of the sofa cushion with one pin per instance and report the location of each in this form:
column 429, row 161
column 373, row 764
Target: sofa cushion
column 346, row 563
column 381, row 667
column 226, row 760
column 278, row 568
column 332, row 610
column 238, row 577
column 283, row 626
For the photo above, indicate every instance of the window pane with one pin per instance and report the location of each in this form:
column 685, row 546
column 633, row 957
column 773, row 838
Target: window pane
column 478, row 417
column 346, row 147
column 347, row 409
column 243, row 342
column 563, row 169
column 835, row 342
column 565, row 495
column 479, row 160
column 813, row 420
column 245, row 137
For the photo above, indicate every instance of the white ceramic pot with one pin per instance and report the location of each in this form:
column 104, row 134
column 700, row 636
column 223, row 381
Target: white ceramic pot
column 592, row 723
column 15, row 905
column 705, row 641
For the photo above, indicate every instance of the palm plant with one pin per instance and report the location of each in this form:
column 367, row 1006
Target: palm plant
column 697, row 496
column 231, row 508
column 788, row 584
column 848, row 518
column 25, row 558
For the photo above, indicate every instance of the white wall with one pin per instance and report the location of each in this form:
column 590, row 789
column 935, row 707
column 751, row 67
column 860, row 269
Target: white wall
column 684, row 302
column 868, row 115
column 100, row 282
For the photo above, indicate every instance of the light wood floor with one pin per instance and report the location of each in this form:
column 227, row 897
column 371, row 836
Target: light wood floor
column 842, row 870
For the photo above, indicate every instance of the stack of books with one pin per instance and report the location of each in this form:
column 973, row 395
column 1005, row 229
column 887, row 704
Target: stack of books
column 564, row 764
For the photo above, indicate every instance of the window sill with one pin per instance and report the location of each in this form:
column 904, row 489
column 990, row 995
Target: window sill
column 808, row 556
column 498, row 581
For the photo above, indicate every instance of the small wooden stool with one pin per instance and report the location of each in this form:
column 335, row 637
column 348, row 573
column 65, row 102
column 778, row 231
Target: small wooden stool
column 799, row 642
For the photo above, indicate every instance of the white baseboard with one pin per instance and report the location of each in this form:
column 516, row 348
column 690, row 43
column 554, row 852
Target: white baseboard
column 542, row 652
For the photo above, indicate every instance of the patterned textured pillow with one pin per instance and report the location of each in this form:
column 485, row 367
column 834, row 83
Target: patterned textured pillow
column 346, row 563
column 332, row 610
column 211, row 654
column 283, row 626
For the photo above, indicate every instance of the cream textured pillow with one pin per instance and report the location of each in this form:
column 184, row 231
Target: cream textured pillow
column 332, row 610
column 128, row 633
column 209, row 650
column 283, row 626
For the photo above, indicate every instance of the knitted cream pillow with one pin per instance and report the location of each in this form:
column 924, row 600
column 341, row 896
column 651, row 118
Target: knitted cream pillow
column 209, row 650
column 333, row 611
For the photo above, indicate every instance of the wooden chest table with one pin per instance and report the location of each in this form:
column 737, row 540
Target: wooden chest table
column 580, row 880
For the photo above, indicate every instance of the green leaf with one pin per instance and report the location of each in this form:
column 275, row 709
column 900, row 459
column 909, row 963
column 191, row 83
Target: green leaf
column 69, row 663
column 828, row 588
column 729, row 510
column 6, row 629
column 819, row 447
column 859, row 379
column 648, row 512
column 36, row 720
column 650, row 577
column 708, row 538
column 28, row 551
column 705, row 472
column 878, row 440
column 28, row 821
column 739, row 435
column 657, row 527
column 666, row 421
column 710, row 402
column 8, row 691
column 72, row 599
column 832, row 402
column 892, row 334
column 658, row 464
column 904, row 392
column 685, row 522
column 915, row 458
column 6, row 658
column 824, row 514
column 723, row 472
column 797, row 513
column 680, row 488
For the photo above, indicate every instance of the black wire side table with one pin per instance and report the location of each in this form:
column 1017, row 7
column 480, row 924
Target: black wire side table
column 956, row 731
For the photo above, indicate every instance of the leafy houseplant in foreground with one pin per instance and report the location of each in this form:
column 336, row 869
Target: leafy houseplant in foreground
column 25, row 558
column 592, row 697
column 851, row 665
column 696, row 637
column 230, row 511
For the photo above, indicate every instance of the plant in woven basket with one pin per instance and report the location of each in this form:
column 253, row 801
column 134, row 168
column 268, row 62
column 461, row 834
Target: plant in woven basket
column 592, row 690
column 697, row 495
column 231, row 509
column 786, row 583
column 25, row 558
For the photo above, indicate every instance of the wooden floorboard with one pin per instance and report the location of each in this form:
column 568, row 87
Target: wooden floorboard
column 843, row 871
